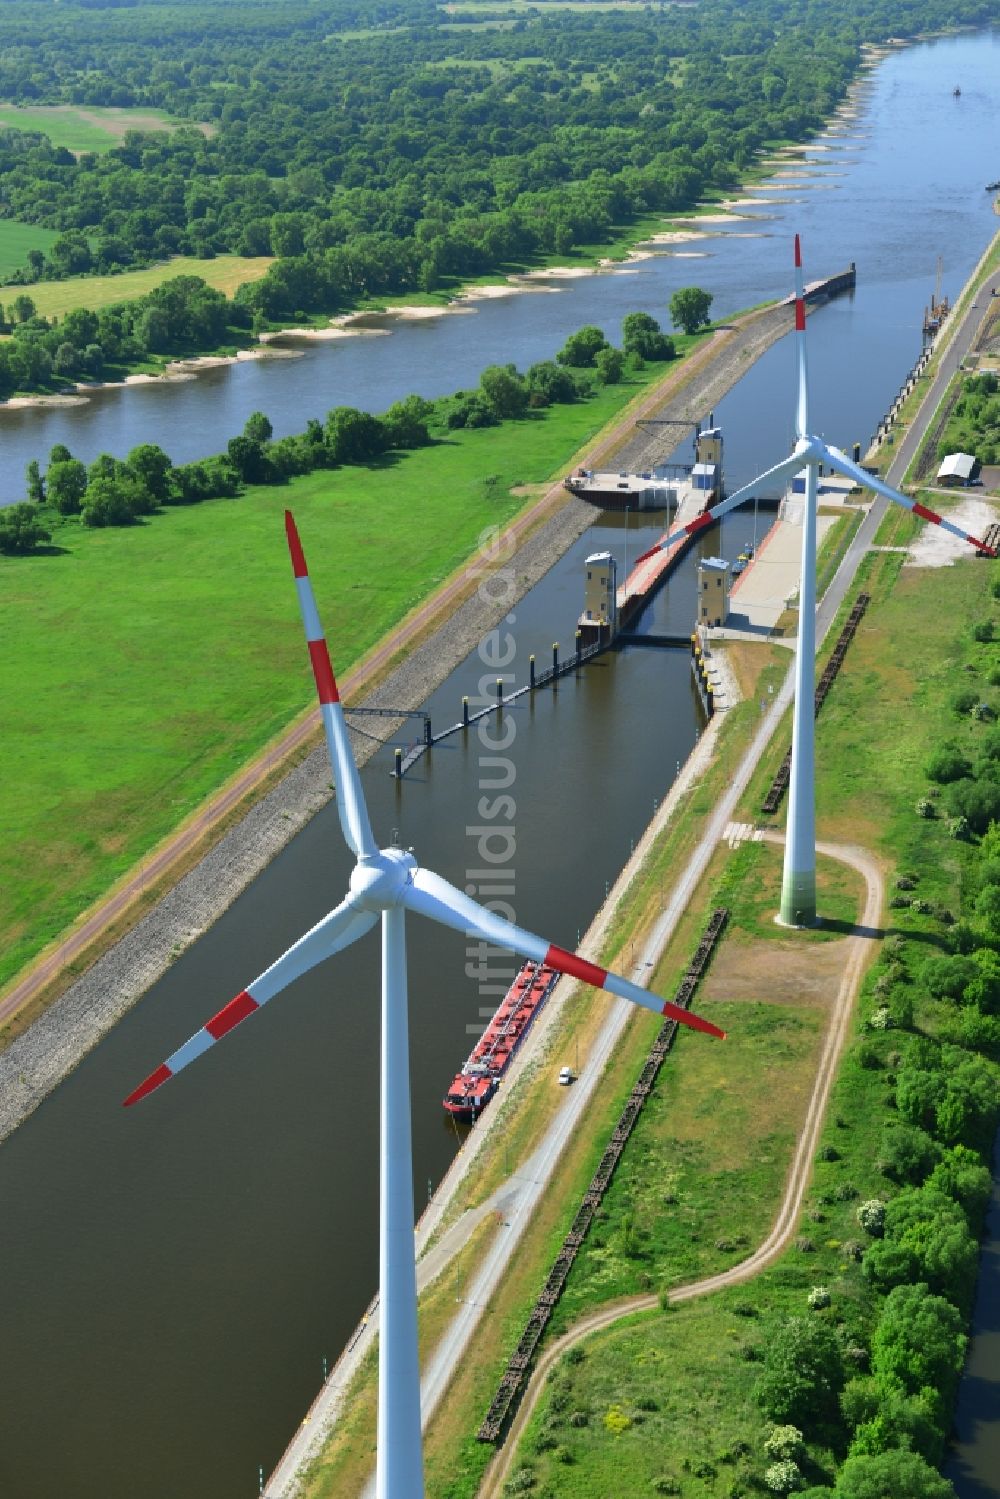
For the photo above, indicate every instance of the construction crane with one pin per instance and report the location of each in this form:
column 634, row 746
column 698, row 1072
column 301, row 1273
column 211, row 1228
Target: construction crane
column 935, row 315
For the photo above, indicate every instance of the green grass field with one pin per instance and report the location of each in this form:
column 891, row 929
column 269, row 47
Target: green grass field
column 15, row 242
column 668, row 1398
column 85, row 129
column 173, row 648
column 56, row 298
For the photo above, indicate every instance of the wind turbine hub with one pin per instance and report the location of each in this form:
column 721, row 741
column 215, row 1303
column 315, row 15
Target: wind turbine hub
column 378, row 882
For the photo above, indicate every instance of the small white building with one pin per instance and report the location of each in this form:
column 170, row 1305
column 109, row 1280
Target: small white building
column 600, row 593
column 713, row 591
column 958, row 469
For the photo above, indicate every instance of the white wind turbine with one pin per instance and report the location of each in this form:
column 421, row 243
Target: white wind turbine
column 388, row 883
column 798, row 885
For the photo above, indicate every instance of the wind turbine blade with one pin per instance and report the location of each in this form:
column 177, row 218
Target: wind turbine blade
column 839, row 461
column 802, row 409
column 779, row 474
column 430, row 895
column 350, row 797
column 336, row 931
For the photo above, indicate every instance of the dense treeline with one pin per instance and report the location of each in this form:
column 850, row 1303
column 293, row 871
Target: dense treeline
column 184, row 315
column 381, row 147
column 974, row 425
column 879, row 1386
column 118, row 491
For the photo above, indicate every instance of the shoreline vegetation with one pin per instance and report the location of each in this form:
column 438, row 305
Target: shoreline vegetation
column 320, row 267
column 120, row 492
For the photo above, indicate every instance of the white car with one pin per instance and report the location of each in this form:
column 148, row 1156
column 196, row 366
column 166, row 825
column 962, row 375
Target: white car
column 567, row 1076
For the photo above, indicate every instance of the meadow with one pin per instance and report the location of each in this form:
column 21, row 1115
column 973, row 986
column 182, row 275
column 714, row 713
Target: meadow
column 79, row 129
column 17, row 239
column 55, row 298
column 168, row 681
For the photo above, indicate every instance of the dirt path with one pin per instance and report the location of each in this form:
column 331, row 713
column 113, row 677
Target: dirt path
column 860, row 947
column 699, row 379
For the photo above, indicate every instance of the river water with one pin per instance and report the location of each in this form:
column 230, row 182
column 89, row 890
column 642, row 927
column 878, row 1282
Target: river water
column 174, row 1277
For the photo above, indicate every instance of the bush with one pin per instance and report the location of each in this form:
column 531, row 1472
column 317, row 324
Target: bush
column 907, row 1153
column 946, row 978
column 948, row 764
column 803, row 1373
column 616, row 1420
column 783, row 1478
column 520, row 1482
column 977, row 801
column 983, row 632
column 818, row 1298
column 871, row 1217
column 925, row 808
column 963, row 702
column 784, row 1443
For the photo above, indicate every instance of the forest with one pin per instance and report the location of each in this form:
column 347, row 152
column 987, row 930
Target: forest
column 388, row 147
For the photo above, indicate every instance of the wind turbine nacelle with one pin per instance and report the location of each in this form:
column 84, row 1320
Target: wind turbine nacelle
column 378, row 882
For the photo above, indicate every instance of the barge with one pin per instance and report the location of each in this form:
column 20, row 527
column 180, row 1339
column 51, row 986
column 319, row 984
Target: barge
column 473, row 1087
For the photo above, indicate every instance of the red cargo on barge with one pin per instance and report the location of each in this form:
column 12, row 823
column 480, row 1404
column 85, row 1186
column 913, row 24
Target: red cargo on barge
column 475, row 1085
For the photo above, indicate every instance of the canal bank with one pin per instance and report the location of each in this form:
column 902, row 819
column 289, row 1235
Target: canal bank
column 35, row 1062
column 517, row 1197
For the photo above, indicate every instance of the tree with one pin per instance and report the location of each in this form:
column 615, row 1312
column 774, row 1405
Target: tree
column 891, row 1475
column 152, row 469
column 610, row 365
column 979, row 801
column 504, row 391
column 354, row 436
column 580, row 349
column 20, row 529
column 948, row 977
column 803, row 1373
column 36, row 484
column 406, row 421
column 66, row 482
column 907, row 1153
column 689, row 308
column 948, row 764
column 249, row 459
column 919, row 1342
column 23, row 308
column 258, row 427
column 551, row 382
column 65, row 360
column 110, row 502
column 900, row 1420
column 641, row 335
column 927, row 1238
column 962, row 1175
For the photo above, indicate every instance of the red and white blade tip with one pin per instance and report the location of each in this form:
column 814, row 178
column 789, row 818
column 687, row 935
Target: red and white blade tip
column 580, row 968
column 798, row 253
column 155, row 1080
column 295, row 547
column 227, row 1019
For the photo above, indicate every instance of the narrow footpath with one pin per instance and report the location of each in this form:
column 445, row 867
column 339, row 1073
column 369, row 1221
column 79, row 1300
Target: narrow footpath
column 860, row 952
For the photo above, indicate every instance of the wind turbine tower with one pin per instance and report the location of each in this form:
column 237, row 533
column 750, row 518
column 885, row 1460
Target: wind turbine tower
column 388, row 883
column 798, row 883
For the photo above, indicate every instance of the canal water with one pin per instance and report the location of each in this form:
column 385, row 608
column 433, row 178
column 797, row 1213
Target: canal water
column 175, row 1276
